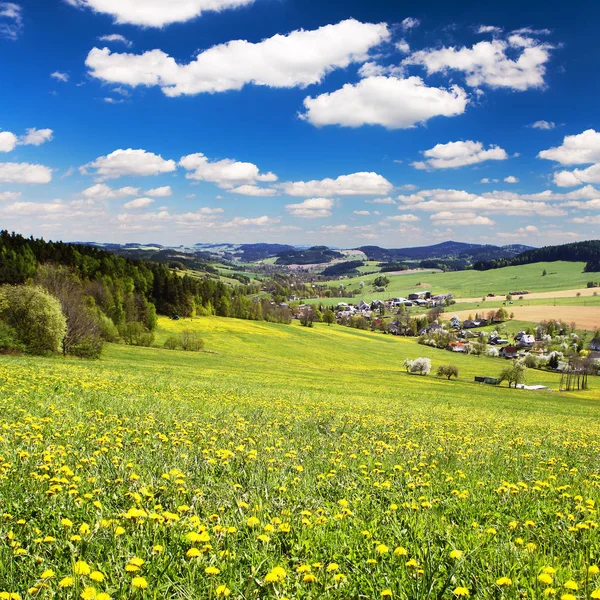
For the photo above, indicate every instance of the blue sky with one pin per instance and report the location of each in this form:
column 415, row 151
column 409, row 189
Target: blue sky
column 345, row 123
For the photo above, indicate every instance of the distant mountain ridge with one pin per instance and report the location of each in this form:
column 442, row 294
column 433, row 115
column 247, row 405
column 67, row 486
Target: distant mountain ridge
column 444, row 250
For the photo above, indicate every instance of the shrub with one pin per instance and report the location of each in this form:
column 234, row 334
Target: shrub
column 88, row 347
column 530, row 361
column 172, row 343
column 9, row 343
column 35, row 316
column 191, row 341
column 135, row 333
column 448, row 371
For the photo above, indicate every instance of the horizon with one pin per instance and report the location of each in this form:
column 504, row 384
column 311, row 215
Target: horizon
column 398, row 126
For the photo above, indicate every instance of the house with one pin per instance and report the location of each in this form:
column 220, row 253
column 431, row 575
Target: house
column 440, row 299
column 498, row 341
column 419, row 296
column 377, row 304
column 594, row 345
column 509, row 352
column 432, row 327
column 458, row 347
column 362, row 305
column 527, row 341
column 455, row 322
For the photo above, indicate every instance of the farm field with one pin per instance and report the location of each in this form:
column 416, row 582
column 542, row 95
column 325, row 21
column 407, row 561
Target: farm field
column 475, row 284
column 287, row 462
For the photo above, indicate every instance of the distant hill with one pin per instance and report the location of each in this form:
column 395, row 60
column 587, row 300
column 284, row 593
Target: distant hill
column 316, row 255
column 587, row 252
column 444, row 251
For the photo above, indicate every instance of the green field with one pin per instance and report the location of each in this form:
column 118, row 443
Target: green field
column 470, row 284
column 289, row 462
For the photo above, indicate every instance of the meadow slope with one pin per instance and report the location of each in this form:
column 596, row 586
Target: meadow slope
column 286, row 462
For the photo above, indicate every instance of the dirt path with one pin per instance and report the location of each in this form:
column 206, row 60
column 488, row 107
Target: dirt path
column 585, row 317
column 538, row 295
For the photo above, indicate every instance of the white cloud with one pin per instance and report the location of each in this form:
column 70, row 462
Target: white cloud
column 129, row 162
column 24, row 173
column 115, row 37
column 298, row 59
column 313, row 208
column 403, row 46
column 138, row 203
column 410, row 23
column 245, row 222
column 226, row 173
column 388, row 101
column 489, row 29
column 387, row 200
column 356, row 184
column 579, row 149
column 460, row 219
column 595, row 220
column 157, row 13
column 406, row 218
column 543, row 125
column 8, row 141
column 511, row 179
column 254, row 190
column 11, row 20
column 59, row 76
column 362, row 213
column 499, row 202
column 578, row 176
column 489, row 63
column 160, row 192
column 459, row 154
column 101, row 191
column 9, row 196
column 36, row 137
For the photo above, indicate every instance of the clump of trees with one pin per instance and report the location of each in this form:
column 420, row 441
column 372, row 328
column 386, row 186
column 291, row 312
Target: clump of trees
column 513, row 374
column 447, row 371
column 189, row 341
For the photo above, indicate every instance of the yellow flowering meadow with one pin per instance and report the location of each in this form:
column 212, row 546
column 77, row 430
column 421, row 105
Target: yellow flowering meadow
column 154, row 474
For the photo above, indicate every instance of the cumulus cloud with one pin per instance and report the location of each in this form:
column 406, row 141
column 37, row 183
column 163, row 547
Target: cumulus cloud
column 459, row 154
column 406, row 218
column 511, row 179
column 101, row 191
column 298, row 59
column 11, row 20
column 578, row 176
column 392, row 102
column 498, row 202
column 577, row 149
column 254, row 190
column 138, row 203
column 226, row 173
column 24, row 173
column 160, row 192
column 36, row 137
column 115, row 37
column 129, row 162
column 60, row 76
column 157, row 13
column 489, row 63
column 8, row 141
column 460, row 219
column 356, row 184
column 313, row 208
column 543, row 125
column 387, row 200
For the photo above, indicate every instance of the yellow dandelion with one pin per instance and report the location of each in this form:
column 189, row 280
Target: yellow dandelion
column 81, row 568
column 139, row 583
column 66, row 582
column 89, row 593
column 504, row 582
column 96, row 576
column 456, row 554
column 212, row 571
column 461, row 592
column 222, row 591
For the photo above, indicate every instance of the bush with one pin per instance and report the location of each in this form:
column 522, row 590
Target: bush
column 107, row 329
column 35, row 316
column 172, row 343
column 530, row 361
column 135, row 333
column 89, row 347
column 448, row 371
column 9, row 343
column 191, row 341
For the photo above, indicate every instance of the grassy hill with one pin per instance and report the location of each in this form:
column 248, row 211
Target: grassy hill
column 469, row 284
column 290, row 462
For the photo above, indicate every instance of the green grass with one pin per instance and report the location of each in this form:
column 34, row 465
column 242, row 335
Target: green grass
column 310, row 450
column 471, row 284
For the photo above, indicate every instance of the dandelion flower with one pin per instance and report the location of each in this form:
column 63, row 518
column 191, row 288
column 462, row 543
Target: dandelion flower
column 47, row 574
column 571, row 585
column 81, row 568
column 595, row 594
column 89, row 593
column 400, row 551
column 96, row 576
column 212, row 571
column 222, row 591
column 332, row 567
column 66, row 582
column 193, row 553
column 456, row 554
column 309, row 578
column 545, row 578
column 461, row 592
column 386, row 594
column 504, row 582
column 139, row 583
column 382, row 549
